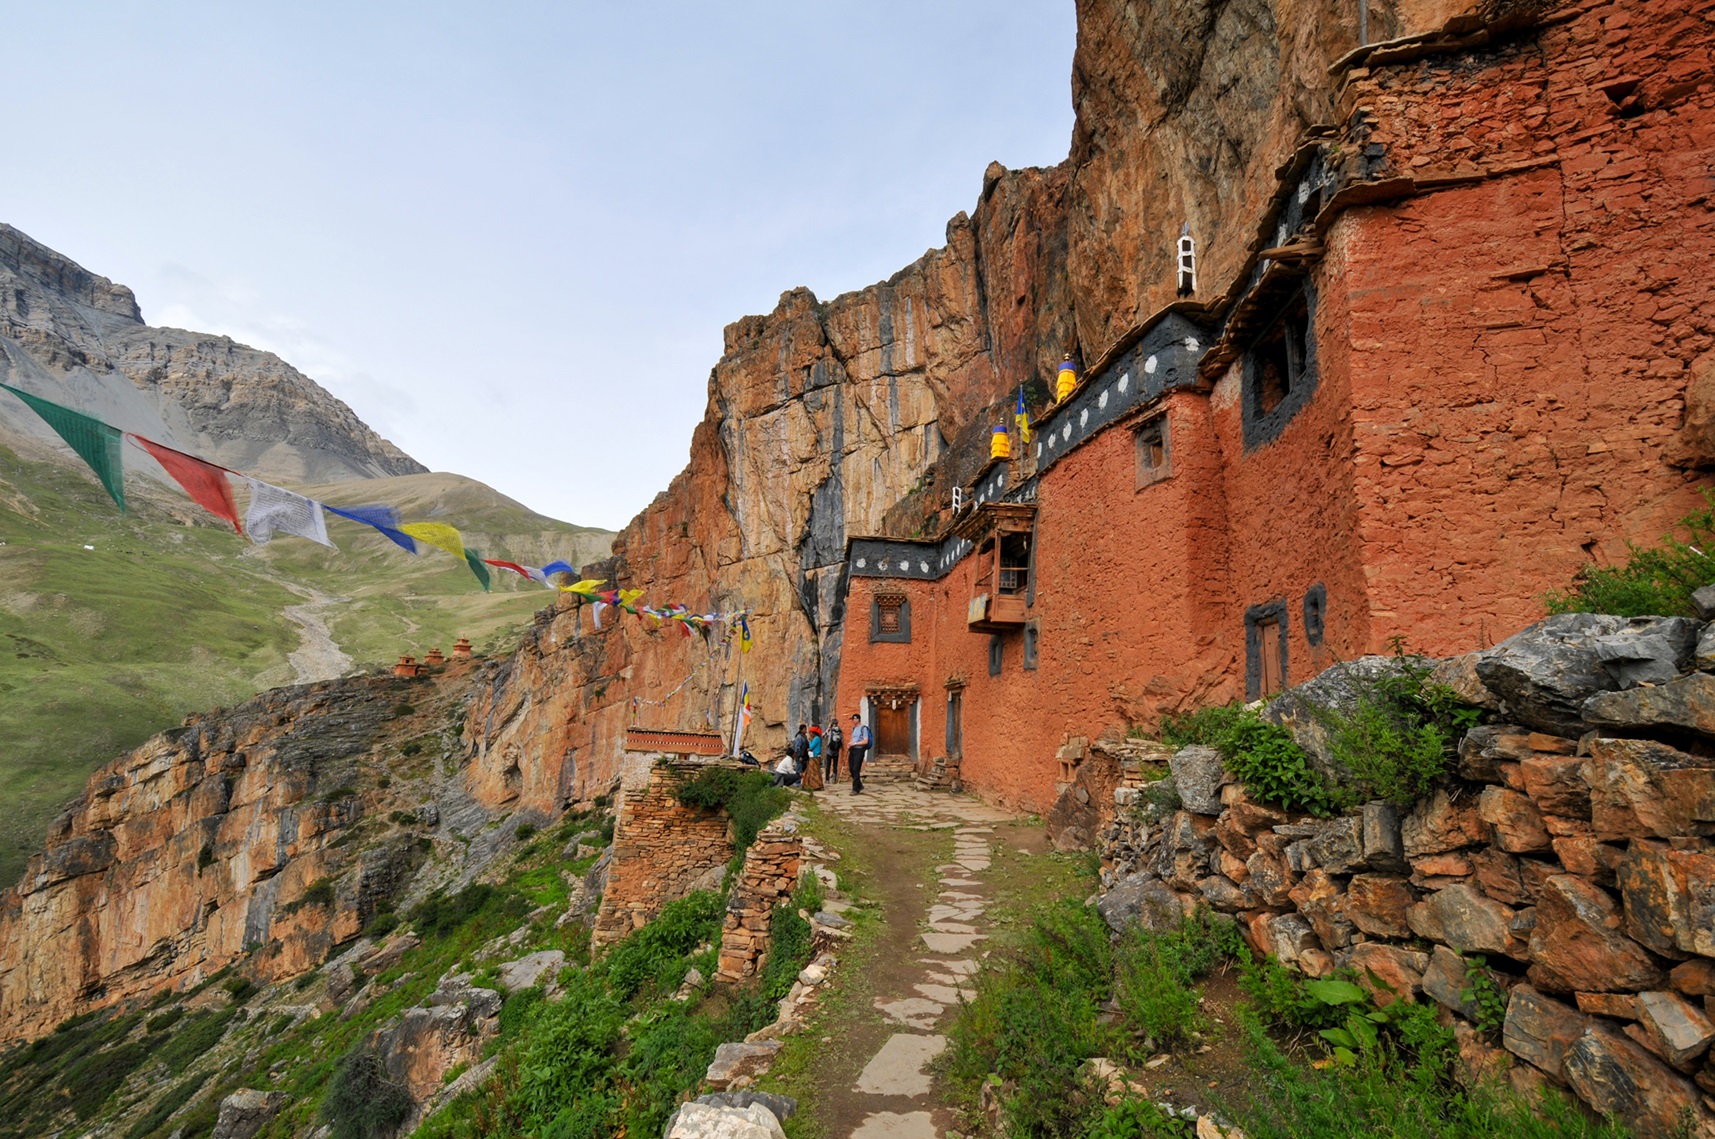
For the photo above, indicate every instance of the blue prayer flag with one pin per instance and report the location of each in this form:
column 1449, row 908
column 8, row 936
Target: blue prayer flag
column 382, row 518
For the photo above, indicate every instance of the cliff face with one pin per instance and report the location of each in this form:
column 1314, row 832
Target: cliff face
column 78, row 338
column 206, row 845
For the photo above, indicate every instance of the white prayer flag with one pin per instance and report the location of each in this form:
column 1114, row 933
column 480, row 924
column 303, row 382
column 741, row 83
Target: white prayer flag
column 276, row 510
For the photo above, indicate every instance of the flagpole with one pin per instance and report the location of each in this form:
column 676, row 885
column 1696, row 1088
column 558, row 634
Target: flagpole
column 737, row 695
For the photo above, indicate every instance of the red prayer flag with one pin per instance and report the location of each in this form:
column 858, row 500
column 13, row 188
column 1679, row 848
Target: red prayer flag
column 513, row 566
column 204, row 482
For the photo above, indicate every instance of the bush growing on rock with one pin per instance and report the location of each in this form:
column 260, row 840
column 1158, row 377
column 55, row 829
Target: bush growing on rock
column 1264, row 756
column 1654, row 581
column 749, row 798
column 362, row 1103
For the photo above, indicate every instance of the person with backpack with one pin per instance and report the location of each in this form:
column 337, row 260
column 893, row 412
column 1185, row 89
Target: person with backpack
column 859, row 748
column 831, row 751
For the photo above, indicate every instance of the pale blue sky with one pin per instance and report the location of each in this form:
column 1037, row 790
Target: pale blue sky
column 509, row 235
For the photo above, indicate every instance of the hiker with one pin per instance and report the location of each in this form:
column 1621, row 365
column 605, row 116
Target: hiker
column 786, row 771
column 831, row 751
column 859, row 748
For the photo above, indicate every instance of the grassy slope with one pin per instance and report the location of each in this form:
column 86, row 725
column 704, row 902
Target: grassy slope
column 101, row 648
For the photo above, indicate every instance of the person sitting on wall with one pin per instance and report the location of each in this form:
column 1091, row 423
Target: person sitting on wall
column 859, row 748
column 786, row 771
column 831, row 751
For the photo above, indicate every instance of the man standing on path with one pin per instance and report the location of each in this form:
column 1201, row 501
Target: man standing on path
column 859, row 748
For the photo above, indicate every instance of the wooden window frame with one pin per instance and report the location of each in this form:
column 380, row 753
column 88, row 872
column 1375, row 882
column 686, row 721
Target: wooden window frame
column 1150, row 473
column 901, row 635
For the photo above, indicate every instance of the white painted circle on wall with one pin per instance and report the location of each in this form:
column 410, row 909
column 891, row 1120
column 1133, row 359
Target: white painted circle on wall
column 1149, row 366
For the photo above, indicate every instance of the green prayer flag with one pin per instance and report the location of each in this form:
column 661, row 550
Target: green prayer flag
column 474, row 560
column 93, row 440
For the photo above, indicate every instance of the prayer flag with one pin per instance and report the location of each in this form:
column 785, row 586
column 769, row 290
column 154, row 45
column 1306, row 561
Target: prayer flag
column 95, row 442
column 584, row 588
column 382, row 518
column 437, row 534
column 275, row 509
column 558, row 567
column 743, row 720
column 743, row 634
column 473, row 559
column 513, row 566
column 206, row 483
column 1023, row 417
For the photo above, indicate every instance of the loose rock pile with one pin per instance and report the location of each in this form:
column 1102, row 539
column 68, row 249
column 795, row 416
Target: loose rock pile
column 1573, row 850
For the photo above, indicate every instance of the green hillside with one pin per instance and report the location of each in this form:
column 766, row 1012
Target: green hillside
column 170, row 612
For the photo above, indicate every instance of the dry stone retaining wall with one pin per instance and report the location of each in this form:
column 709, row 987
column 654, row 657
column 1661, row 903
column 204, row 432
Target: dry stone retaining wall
column 1572, row 851
column 662, row 849
column 770, row 875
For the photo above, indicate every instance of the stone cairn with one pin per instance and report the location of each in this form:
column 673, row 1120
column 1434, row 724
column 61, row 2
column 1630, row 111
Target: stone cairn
column 1572, row 851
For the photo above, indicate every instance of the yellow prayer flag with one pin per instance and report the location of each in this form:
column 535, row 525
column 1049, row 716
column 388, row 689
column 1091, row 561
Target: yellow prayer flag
column 437, row 534
column 586, row 587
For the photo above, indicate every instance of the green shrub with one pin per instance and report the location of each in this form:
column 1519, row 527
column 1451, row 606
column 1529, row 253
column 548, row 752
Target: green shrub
column 1134, row 1118
column 518, row 1009
column 198, row 1034
column 565, row 1065
column 402, row 709
column 1491, row 1000
column 165, row 1020
column 93, row 1079
column 240, row 989
column 381, row 924
column 1274, row 769
column 1155, row 976
column 789, row 947
column 525, row 832
column 1205, row 726
column 1402, row 734
column 1654, row 581
column 656, row 955
column 440, row 916
column 749, row 798
column 362, row 1103
column 175, row 1098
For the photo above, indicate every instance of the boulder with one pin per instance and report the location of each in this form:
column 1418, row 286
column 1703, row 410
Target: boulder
column 530, row 970
column 1640, row 788
column 1225, row 895
column 1461, row 917
column 1578, row 945
column 1266, row 875
column 1695, row 978
column 1384, row 846
column 784, row 1107
column 1547, row 671
column 1616, row 1077
column 1677, row 1029
column 1338, row 845
column 1541, row 1031
column 1181, row 856
column 1586, row 857
column 423, row 1044
column 1309, row 710
column 1199, row 775
column 733, row 1060
column 1377, row 904
column 246, row 1112
column 1439, row 824
column 1389, row 972
column 1703, row 598
column 697, row 1120
column 1460, row 674
column 1555, row 783
column 1445, row 981
column 1289, row 935
column 1251, row 819
column 1142, row 899
column 1704, row 656
column 1321, row 900
column 1685, row 702
column 1513, row 820
column 1669, row 898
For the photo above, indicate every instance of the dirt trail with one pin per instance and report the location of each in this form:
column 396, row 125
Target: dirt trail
column 318, row 656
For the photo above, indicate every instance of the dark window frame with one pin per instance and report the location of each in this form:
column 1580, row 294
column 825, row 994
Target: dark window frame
column 1150, row 473
column 1256, row 618
column 1030, row 645
column 901, row 636
column 1295, row 334
column 955, row 722
column 1315, row 613
column 997, row 654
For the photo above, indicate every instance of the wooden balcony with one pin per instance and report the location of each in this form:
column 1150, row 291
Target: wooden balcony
column 1000, row 591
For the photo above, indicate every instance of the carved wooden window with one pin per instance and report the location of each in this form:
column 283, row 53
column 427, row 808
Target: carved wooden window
column 890, row 618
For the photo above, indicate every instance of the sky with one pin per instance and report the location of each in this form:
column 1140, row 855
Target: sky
column 510, row 234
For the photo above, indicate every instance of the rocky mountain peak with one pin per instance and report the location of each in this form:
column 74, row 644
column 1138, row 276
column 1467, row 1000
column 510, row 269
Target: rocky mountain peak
column 29, row 259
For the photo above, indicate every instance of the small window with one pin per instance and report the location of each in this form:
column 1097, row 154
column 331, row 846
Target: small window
column 1315, row 613
column 1030, row 645
column 996, row 648
column 1152, row 452
column 890, row 618
column 1280, row 355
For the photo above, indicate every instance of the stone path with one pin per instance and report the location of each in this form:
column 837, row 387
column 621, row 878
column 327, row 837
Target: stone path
column 894, row 1087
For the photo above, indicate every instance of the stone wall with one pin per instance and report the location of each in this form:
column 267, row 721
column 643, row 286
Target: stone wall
column 662, row 849
column 770, row 875
column 1572, row 850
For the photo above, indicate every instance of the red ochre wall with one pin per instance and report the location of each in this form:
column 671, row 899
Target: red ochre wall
column 1501, row 367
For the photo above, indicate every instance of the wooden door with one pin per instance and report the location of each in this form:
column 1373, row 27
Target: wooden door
column 893, row 729
column 1268, row 649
